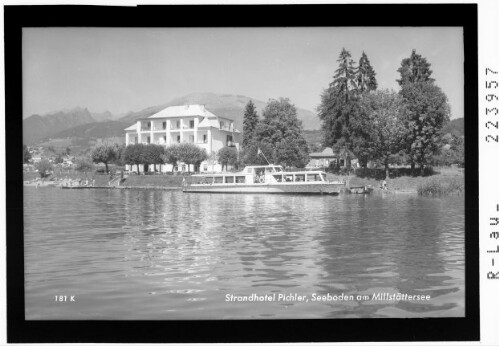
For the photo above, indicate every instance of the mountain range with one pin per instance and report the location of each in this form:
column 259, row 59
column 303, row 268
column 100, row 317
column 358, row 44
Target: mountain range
column 81, row 123
column 83, row 128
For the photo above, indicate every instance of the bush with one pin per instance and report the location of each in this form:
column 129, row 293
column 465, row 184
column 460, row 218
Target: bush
column 440, row 187
column 44, row 168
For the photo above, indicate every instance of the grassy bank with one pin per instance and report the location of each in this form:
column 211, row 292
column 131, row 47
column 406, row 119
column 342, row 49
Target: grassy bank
column 153, row 181
column 434, row 186
column 445, row 182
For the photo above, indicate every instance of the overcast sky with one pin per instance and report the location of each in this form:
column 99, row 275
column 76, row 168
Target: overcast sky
column 128, row 69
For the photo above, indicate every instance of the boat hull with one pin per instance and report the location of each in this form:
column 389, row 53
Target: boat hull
column 330, row 188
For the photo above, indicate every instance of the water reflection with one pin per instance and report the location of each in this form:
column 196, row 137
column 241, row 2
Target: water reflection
column 168, row 255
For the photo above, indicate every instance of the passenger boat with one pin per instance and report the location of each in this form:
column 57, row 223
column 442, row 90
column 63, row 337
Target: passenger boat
column 263, row 179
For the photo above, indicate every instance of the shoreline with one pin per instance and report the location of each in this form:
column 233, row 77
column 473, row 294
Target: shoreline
column 445, row 182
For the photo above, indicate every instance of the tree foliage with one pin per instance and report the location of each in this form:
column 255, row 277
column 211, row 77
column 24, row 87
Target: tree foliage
column 415, row 69
column 366, row 77
column 345, row 75
column 279, row 128
column 171, row 155
column 152, row 154
column 120, row 154
column 382, row 126
column 339, row 104
column 250, row 122
column 227, row 156
column 133, row 154
column 84, row 164
column 104, row 152
column 191, row 154
column 452, row 152
column 44, row 168
column 26, row 154
column 427, row 112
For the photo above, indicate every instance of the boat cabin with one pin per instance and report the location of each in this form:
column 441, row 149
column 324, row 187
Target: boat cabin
column 269, row 174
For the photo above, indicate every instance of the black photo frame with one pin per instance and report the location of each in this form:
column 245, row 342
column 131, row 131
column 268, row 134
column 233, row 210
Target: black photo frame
column 321, row 330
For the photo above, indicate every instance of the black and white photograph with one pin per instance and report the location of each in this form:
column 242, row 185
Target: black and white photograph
column 274, row 173
column 243, row 173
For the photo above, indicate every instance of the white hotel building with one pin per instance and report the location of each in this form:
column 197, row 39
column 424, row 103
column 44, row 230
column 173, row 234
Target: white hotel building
column 186, row 124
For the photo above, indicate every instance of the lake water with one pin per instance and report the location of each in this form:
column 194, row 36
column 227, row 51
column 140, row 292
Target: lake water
column 155, row 254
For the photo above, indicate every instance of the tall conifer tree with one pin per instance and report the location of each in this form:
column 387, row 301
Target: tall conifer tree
column 366, row 77
column 250, row 121
column 338, row 104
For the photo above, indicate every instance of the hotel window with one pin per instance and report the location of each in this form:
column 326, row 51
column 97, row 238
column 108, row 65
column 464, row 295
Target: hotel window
column 229, row 141
column 148, row 140
column 148, row 125
column 191, row 124
column 205, row 138
column 164, row 139
column 164, row 125
column 205, row 168
column 177, row 125
column 221, row 125
column 191, row 139
column 178, row 139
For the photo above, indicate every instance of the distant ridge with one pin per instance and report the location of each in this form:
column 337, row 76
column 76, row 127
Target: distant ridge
column 36, row 127
column 85, row 127
column 224, row 105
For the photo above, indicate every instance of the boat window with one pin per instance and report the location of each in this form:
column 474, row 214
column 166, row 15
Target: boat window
column 288, row 178
column 249, row 170
column 240, row 180
column 278, row 177
column 218, row 180
column 313, row 177
column 300, row 177
column 269, row 170
column 323, row 176
column 278, row 169
column 229, row 180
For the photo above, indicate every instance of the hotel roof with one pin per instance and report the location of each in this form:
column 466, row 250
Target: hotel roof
column 182, row 111
column 132, row 128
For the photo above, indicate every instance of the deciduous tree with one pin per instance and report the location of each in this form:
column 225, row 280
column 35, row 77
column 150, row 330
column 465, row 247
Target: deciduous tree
column 382, row 126
column 104, row 152
column 153, row 155
column 44, row 168
column 171, row 155
column 427, row 112
column 227, row 156
column 191, row 154
column 133, row 154
column 84, row 164
column 281, row 132
column 415, row 69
